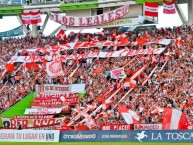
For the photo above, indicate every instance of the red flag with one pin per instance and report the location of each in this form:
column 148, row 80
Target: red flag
column 61, row 35
column 9, row 67
column 35, row 17
column 169, row 7
column 26, row 18
column 174, row 119
column 151, row 9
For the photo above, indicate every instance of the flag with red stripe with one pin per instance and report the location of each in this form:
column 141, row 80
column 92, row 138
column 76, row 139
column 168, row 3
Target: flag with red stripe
column 174, row 119
column 151, row 9
column 169, row 7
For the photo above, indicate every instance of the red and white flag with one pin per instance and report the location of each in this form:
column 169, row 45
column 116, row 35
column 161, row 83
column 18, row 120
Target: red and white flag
column 169, row 7
column 174, row 119
column 92, row 106
column 26, row 18
column 31, row 17
column 61, row 35
column 54, row 68
column 35, row 17
column 130, row 83
column 130, row 116
column 151, row 9
column 106, row 104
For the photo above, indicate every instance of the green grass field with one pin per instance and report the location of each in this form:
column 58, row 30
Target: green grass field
column 19, row 108
column 96, row 143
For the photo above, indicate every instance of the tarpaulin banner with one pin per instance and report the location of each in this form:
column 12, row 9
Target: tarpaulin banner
column 116, row 127
column 127, row 136
column 12, row 123
column 14, row 32
column 147, row 126
column 71, row 98
column 60, row 89
column 90, row 21
column 43, row 111
column 120, row 53
column 29, row 135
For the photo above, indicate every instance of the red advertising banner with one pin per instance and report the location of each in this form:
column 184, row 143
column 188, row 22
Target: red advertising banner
column 147, row 126
column 116, row 127
column 31, row 123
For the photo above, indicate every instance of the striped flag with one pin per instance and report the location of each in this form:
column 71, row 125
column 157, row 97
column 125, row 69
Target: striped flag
column 174, row 119
column 151, row 9
column 169, row 7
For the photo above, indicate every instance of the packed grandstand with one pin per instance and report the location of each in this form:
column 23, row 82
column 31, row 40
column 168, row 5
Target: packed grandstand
column 95, row 81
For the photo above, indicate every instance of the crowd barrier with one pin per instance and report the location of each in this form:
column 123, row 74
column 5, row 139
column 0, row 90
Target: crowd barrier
column 96, row 136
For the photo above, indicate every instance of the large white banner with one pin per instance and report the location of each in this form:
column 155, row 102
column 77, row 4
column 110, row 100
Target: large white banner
column 60, row 89
column 90, row 21
column 120, row 53
column 29, row 136
column 43, row 111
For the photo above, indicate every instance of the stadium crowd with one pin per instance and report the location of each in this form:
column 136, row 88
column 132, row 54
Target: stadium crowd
column 170, row 85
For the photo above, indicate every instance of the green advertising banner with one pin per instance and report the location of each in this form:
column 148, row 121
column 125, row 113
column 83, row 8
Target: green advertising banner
column 142, row 1
column 14, row 32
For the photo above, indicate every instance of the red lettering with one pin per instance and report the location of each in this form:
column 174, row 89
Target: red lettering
column 117, row 14
column 102, row 19
column 109, row 54
column 81, row 23
column 88, row 21
column 71, row 21
column 13, row 123
column 64, row 20
column 110, row 16
column 96, row 20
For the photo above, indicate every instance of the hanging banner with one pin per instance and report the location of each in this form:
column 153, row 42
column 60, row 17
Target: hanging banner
column 90, row 21
column 44, row 99
column 12, row 123
column 43, row 111
column 14, row 32
column 120, row 53
column 60, row 89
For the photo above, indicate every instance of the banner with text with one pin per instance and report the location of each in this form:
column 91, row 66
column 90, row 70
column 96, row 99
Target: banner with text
column 29, row 135
column 147, row 126
column 90, row 21
column 118, row 73
column 60, row 89
column 11, row 33
column 35, row 122
column 120, row 53
column 127, row 136
column 116, row 127
column 43, row 111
